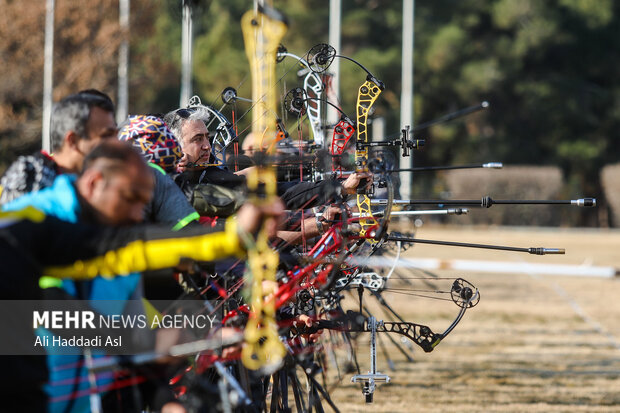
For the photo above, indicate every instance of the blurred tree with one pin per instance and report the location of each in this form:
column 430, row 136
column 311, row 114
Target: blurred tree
column 86, row 42
column 548, row 69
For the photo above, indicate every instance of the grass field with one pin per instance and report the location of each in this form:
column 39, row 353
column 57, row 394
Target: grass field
column 533, row 344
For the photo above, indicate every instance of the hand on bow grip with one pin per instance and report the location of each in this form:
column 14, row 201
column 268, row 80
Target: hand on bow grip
column 308, row 328
column 357, row 182
column 250, row 217
column 351, row 321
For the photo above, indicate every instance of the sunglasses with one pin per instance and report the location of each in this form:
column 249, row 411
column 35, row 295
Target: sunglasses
column 182, row 113
column 185, row 112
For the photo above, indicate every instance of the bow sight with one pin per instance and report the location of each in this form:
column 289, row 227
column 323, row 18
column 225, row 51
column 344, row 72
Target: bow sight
column 405, row 143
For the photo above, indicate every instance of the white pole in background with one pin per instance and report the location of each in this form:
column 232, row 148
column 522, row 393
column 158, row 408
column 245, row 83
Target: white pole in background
column 48, row 70
column 333, row 95
column 187, row 39
column 378, row 129
column 122, row 101
column 406, row 95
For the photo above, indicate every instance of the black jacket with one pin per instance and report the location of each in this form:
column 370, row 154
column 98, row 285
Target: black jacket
column 32, row 244
column 295, row 195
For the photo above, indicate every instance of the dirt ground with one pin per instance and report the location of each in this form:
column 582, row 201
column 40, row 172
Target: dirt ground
column 533, row 344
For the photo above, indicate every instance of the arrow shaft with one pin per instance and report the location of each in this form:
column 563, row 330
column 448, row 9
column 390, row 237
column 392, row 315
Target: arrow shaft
column 451, row 116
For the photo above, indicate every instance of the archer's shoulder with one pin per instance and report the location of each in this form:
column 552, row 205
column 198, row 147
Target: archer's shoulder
column 27, row 173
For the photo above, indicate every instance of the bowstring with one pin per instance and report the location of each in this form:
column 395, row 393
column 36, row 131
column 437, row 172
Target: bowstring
column 275, row 84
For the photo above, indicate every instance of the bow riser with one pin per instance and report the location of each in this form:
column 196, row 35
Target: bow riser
column 368, row 93
column 262, row 33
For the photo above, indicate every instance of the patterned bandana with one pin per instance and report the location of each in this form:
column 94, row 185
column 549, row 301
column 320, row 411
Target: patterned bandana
column 153, row 138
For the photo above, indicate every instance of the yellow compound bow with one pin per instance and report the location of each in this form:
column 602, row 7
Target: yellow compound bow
column 263, row 31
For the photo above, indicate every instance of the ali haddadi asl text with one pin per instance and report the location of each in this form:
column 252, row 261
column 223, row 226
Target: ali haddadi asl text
column 97, row 341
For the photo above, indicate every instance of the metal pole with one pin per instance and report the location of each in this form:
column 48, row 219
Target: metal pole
column 372, row 324
column 186, row 54
column 333, row 95
column 48, row 70
column 122, row 101
column 406, row 95
column 378, row 129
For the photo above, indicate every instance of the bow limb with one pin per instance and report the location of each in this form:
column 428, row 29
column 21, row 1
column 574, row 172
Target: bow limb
column 343, row 131
column 464, row 295
column 314, row 90
column 367, row 95
column 262, row 33
column 420, row 334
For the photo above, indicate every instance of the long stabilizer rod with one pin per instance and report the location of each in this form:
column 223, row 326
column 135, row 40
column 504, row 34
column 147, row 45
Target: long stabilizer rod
column 449, row 211
column 487, row 202
column 491, row 165
column 531, row 250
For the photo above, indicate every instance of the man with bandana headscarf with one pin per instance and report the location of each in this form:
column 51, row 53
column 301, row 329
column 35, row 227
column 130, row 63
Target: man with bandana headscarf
column 152, row 138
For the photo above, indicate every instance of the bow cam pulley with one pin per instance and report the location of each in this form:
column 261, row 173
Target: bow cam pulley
column 295, row 101
column 320, row 57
